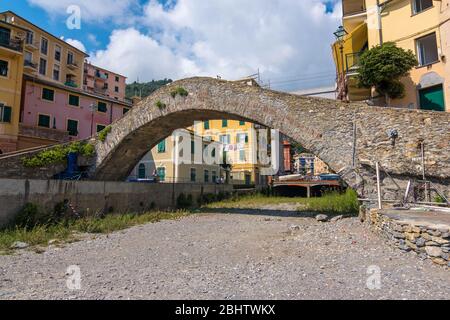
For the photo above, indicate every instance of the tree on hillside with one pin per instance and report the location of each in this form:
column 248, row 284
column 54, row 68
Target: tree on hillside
column 383, row 66
column 145, row 89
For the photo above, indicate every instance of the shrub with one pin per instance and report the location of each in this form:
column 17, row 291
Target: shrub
column 31, row 216
column 58, row 154
column 179, row 91
column 104, row 133
column 184, row 202
column 160, row 105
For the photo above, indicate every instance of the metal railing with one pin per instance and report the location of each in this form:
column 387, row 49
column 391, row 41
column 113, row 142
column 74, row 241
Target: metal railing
column 13, row 44
column 30, row 64
column 352, row 62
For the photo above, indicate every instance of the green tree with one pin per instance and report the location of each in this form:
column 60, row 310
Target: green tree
column 383, row 66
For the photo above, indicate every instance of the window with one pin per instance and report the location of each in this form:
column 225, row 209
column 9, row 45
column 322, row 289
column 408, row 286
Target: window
column 241, row 155
column 206, row 176
column 57, row 53
column 48, row 94
column 242, row 138
column 70, row 59
column 162, row 146
column 43, row 67
column 242, row 123
column 56, row 72
column 224, row 123
column 5, row 113
column 141, row 171
column 28, row 57
column 74, row 100
column 116, row 89
column 101, row 107
column 193, row 146
column 427, row 50
column 117, row 79
column 44, row 121
column 44, row 46
column 432, row 98
column 161, row 174
column 100, row 127
column 421, row 5
column 206, row 125
column 3, row 68
column 125, row 110
column 225, row 139
column 72, row 127
column 29, row 38
column 193, row 175
column 105, row 86
column 214, row 176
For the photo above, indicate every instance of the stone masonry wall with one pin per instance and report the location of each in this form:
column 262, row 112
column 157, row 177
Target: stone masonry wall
column 428, row 242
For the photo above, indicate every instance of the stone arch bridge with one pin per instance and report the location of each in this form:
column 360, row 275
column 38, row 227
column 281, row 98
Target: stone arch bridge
column 350, row 138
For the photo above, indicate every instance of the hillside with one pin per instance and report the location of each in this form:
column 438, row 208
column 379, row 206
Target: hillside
column 145, row 89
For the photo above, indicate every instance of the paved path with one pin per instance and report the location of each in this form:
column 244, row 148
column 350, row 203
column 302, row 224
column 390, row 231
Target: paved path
column 241, row 254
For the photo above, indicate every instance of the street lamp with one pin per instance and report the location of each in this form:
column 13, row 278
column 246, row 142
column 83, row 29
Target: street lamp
column 340, row 34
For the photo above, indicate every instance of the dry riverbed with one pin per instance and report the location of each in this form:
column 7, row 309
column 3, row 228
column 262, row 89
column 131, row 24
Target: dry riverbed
column 266, row 253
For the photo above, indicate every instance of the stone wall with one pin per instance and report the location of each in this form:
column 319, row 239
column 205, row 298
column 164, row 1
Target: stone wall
column 92, row 196
column 429, row 241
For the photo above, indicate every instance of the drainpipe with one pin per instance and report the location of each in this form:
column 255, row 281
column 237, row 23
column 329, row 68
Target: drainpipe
column 380, row 24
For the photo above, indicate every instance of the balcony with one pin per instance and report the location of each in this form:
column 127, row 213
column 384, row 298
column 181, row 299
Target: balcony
column 71, row 83
column 352, row 63
column 31, row 45
column 101, row 76
column 12, row 44
column 72, row 65
column 102, row 91
column 30, row 65
column 353, row 7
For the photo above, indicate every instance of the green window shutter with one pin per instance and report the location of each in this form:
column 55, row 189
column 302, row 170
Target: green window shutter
column 242, row 123
column 161, row 174
column 162, row 146
column 102, row 107
column 141, row 171
column 206, row 125
column 6, row 116
column 74, row 100
column 206, row 176
column 193, row 175
column 432, row 98
column 192, row 147
column 44, row 121
column 48, row 94
column 224, row 123
column 72, row 127
column 100, row 128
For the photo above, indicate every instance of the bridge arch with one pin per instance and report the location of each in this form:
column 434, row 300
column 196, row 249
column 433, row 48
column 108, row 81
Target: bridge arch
column 350, row 138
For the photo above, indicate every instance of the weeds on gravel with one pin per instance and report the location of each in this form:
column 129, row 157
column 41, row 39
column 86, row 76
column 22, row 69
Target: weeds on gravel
column 64, row 231
column 331, row 203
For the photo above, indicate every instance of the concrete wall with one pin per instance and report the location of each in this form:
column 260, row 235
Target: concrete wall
column 92, row 196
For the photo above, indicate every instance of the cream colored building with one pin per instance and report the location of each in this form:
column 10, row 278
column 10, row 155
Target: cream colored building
column 164, row 162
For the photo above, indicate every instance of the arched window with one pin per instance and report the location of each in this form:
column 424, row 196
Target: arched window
column 141, row 174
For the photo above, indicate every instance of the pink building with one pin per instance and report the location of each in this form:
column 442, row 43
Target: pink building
column 53, row 113
column 104, row 82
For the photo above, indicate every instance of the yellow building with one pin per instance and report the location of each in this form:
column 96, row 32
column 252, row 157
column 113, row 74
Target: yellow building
column 239, row 140
column 163, row 164
column 419, row 25
column 11, row 70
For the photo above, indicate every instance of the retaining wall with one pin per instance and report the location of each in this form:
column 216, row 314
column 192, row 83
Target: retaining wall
column 93, row 196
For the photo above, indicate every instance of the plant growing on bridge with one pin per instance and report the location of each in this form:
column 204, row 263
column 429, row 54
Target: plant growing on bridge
column 160, row 105
column 104, row 133
column 383, row 66
column 58, row 154
column 179, row 91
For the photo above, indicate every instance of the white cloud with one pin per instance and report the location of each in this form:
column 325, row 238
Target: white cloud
column 284, row 39
column 76, row 43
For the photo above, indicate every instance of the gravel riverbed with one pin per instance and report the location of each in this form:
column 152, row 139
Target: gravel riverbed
column 266, row 253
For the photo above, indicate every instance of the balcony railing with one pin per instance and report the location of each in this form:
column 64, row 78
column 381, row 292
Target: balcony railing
column 32, row 45
column 71, row 83
column 352, row 62
column 30, row 64
column 72, row 64
column 352, row 7
column 101, row 76
column 12, row 44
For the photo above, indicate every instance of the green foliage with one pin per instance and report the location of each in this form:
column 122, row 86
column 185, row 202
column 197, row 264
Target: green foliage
column 160, row 105
column 184, row 202
column 104, row 133
column 58, row 154
column 179, row 91
column 383, row 66
column 145, row 89
column 439, row 199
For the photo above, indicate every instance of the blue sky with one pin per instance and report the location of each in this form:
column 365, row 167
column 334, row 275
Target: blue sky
column 286, row 40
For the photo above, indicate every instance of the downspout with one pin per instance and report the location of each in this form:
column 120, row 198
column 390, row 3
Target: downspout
column 380, row 23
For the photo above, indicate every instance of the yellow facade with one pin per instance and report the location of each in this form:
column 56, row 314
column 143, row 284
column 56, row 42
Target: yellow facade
column 418, row 25
column 11, row 70
column 46, row 56
column 240, row 140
